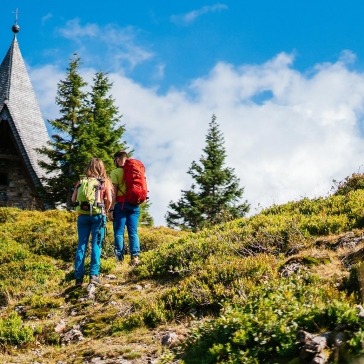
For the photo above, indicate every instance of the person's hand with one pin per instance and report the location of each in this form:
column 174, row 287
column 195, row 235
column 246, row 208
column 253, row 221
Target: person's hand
column 110, row 215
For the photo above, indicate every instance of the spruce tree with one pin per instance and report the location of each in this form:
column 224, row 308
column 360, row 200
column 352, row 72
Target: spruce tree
column 215, row 196
column 102, row 126
column 63, row 163
column 88, row 128
column 101, row 136
column 145, row 218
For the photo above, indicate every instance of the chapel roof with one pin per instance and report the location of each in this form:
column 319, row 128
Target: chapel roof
column 19, row 106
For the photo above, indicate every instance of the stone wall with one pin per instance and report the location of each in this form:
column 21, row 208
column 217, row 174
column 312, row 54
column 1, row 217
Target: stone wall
column 15, row 188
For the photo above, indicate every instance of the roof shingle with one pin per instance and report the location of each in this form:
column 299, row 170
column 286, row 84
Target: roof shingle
column 19, row 106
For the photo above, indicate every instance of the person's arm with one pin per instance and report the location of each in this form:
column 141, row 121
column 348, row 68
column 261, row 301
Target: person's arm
column 74, row 194
column 108, row 196
column 113, row 191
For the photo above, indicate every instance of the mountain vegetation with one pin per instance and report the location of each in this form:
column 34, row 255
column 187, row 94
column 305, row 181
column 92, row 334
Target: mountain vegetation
column 282, row 286
column 215, row 196
column 87, row 128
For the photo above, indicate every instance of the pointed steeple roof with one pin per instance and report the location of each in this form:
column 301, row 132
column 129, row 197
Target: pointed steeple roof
column 19, row 106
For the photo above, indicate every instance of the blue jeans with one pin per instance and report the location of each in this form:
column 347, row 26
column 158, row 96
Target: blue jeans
column 126, row 214
column 86, row 225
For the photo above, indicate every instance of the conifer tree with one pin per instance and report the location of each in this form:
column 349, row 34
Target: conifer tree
column 87, row 128
column 215, row 196
column 63, row 163
column 101, row 136
column 145, row 218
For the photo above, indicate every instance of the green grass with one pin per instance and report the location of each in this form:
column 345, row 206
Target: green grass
column 235, row 293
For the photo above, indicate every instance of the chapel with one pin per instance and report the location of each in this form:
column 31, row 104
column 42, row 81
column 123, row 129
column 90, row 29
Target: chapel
column 22, row 131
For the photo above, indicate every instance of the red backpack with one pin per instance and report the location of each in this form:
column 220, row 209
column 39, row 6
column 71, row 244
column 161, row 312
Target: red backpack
column 135, row 181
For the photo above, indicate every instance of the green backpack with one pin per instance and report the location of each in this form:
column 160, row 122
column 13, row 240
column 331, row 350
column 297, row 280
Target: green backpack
column 90, row 196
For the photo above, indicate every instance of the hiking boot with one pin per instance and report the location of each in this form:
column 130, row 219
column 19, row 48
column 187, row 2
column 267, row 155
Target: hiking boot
column 79, row 282
column 119, row 258
column 134, row 261
column 119, row 255
column 95, row 280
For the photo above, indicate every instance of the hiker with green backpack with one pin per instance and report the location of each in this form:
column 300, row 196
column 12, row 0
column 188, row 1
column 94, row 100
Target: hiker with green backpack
column 130, row 190
column 92, row 198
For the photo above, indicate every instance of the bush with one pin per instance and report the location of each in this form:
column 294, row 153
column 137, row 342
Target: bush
column 14, row 332
column 152, row 238
column 263, row 328
column 50, row 233
column 29, row 276
column 350, row 183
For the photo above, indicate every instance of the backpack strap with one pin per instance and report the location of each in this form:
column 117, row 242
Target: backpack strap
column 121, row 198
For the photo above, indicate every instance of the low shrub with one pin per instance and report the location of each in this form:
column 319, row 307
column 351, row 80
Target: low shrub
column 30, row 276
column 50, row 233
column 350, row 183
column 263, row 327
column 152, row 238
column 11, row 251
column 13, row 332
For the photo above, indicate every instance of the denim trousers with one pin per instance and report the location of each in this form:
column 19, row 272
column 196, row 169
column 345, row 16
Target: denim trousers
column 126, row 214
column 86, row 225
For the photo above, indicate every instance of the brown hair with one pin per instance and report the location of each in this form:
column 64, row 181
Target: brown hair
column 120, row 153
column 96, row 169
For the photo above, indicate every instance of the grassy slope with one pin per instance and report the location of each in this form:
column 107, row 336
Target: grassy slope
column 292, row 266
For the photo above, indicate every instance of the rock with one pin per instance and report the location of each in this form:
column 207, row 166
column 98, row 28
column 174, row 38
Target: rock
column 339, row 339
column 316, row 345
column 291, row 268
column 361, row 311
column 91, row 288
column 312, row 347
column 302, row 336
column 20, row 310
column 110, row 276
column 321, row 358
column 60, row 327
column 169, row 339
column 74, row 335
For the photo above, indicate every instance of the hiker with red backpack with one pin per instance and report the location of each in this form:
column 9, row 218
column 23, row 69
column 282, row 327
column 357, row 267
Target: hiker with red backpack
column 92, row 198
column 130, row 190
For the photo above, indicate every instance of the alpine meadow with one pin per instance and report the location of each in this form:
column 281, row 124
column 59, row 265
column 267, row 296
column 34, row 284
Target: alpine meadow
column 282, row 286
column 259, row 261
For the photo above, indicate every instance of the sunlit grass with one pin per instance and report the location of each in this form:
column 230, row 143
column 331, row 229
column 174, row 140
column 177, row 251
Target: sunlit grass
column 242, row 284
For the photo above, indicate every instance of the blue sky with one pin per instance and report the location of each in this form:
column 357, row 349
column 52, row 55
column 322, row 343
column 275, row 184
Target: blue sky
column 190, row 37
column 285, row 80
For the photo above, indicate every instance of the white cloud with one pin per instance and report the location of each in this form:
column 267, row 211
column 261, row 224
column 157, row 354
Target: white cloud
column 291, row 143
column 45, row 18
column 108, row 47
column 74, row 31
column 190, row 17
column 44, row 81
